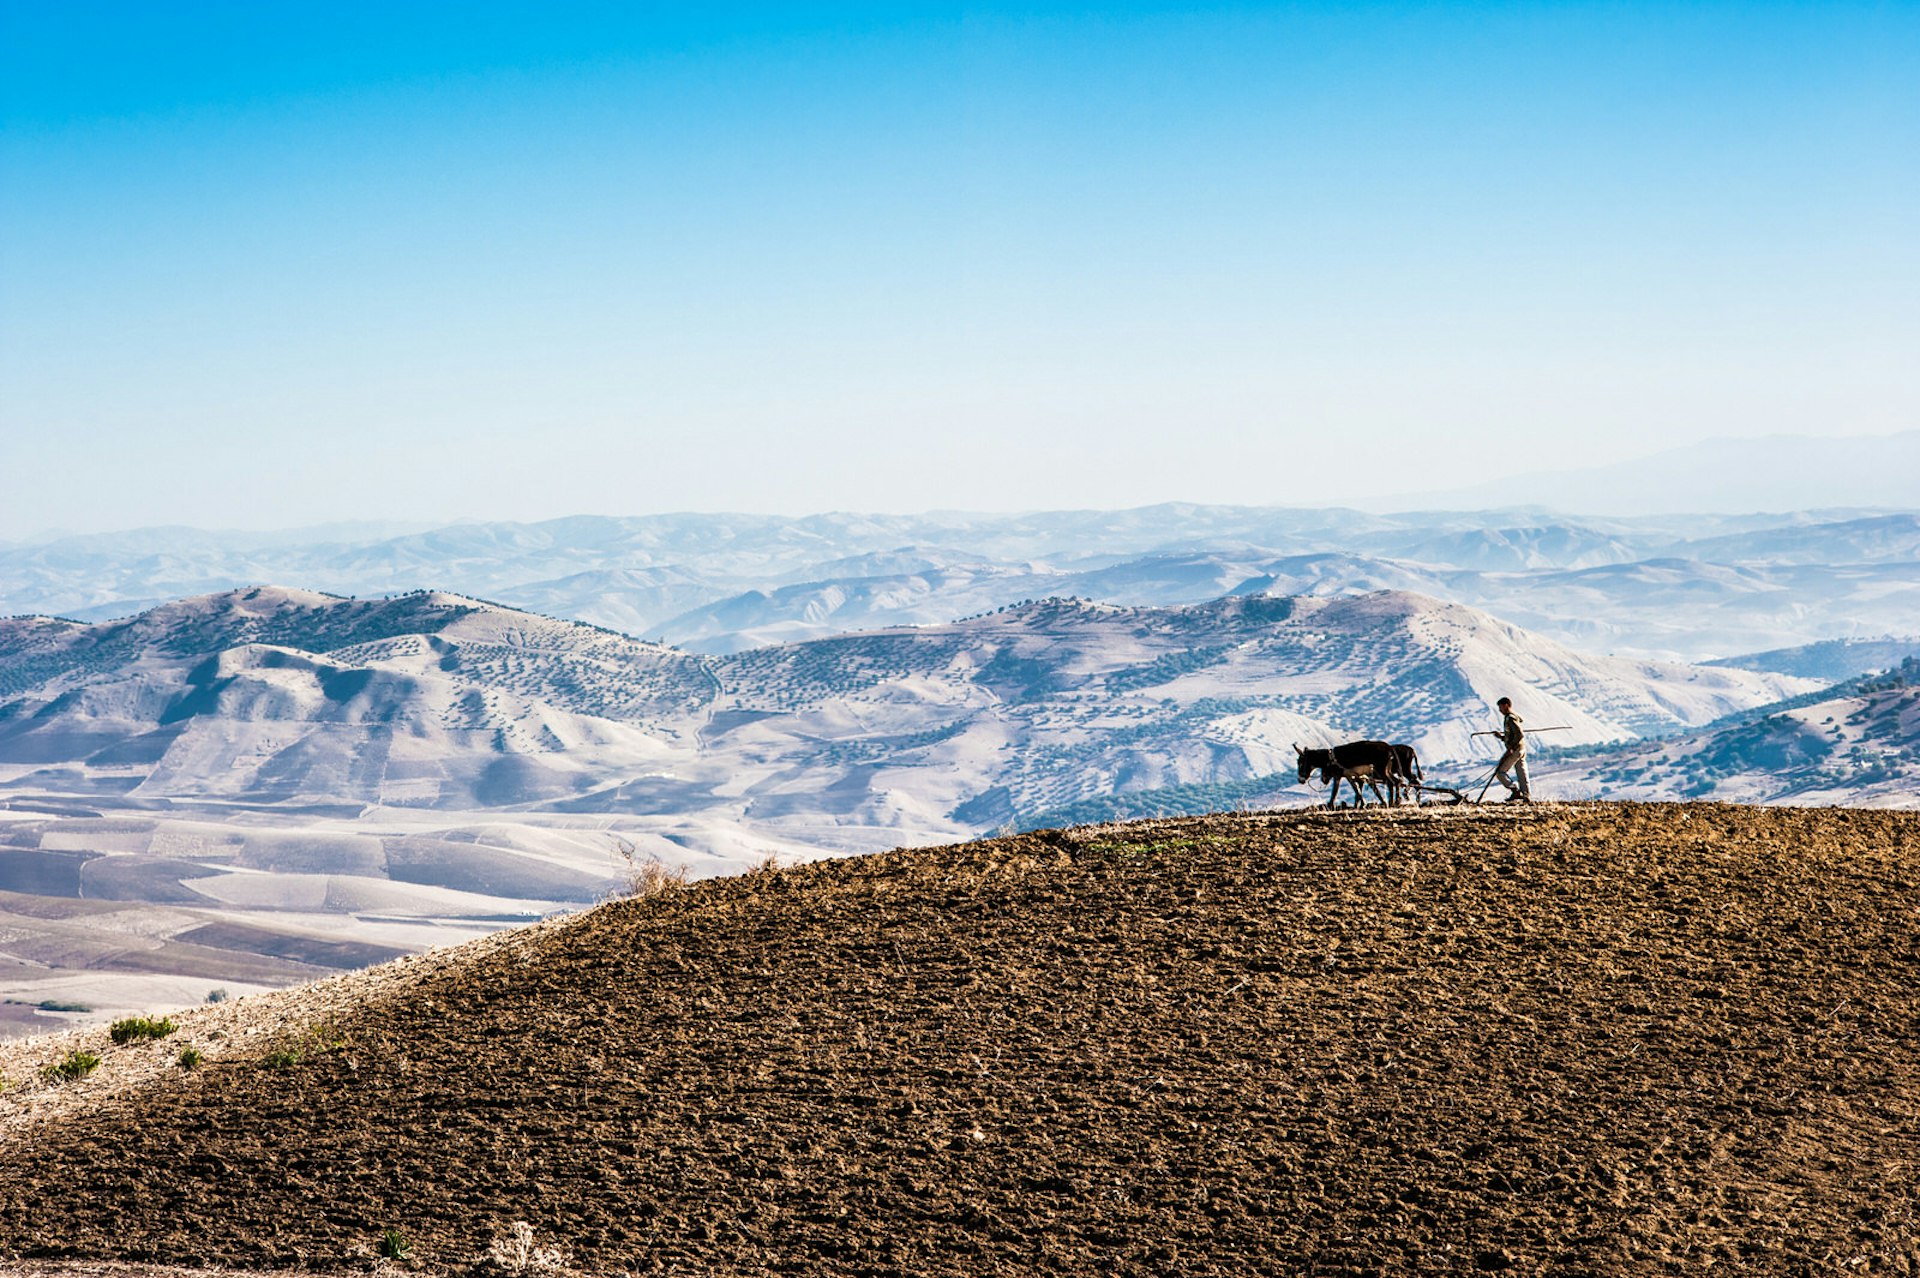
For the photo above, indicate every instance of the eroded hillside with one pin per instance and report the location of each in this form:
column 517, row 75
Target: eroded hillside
column 1599, row 1039
column 1856, row 743
column 276, row 697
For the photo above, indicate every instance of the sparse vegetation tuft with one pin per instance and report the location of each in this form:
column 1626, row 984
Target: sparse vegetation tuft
column 218, row 995
column 131, row 1028
column 78, row 1064
column 394, row 1244
column 516, row 1252
column 647, row 876
column 190, row 1057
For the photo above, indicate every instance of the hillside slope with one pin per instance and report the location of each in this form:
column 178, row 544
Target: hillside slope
column 272, row 695
column 1600, row 1040
column 1858, row 743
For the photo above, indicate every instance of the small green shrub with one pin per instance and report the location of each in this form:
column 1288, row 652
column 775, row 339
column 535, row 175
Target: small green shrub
column 394, row 1245
column 317, row 1040
column 137, row 1027
column 78, row 1064
column 190, row 1057
column 62, row 1005
column 217, row 996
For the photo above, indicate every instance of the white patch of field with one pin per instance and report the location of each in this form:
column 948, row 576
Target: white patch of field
column 315, row 893
column 96, row 836
column 414, row 933
column 110, row 995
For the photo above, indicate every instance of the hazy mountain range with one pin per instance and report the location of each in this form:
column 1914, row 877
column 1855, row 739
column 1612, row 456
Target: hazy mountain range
column 1684, row 587
column 1771, row 472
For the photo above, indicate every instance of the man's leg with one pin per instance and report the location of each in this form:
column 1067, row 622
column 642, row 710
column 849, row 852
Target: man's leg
column 1520, row 771
column 1507, row 761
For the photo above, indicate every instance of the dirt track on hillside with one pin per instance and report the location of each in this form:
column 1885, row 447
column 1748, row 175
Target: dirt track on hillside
column 1594, row 1040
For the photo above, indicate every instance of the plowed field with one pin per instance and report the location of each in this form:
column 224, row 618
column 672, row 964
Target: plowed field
column 1569, row 1040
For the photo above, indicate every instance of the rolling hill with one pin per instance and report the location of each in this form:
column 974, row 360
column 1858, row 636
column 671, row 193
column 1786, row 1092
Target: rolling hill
column 270, row 696
column 244, row 789
column 1608, row 1040
column 1834, row 660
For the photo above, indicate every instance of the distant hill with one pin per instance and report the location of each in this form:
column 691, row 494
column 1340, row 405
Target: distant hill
column 1858, row 743
column 1594, row 1040
column 277, row 695
column 1834, row 660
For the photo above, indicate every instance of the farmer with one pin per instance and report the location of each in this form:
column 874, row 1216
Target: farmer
column 1513, row 743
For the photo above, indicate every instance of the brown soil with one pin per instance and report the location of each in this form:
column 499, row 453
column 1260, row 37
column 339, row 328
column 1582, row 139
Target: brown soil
column 1571, row 1040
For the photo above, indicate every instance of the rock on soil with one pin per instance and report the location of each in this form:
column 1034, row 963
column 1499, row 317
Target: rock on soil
column 1606, row 1040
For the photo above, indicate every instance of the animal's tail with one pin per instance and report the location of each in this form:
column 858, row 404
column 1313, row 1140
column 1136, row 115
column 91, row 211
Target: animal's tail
column 1413, row 766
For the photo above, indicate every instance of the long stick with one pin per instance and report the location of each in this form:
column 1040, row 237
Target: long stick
column 1558, row 727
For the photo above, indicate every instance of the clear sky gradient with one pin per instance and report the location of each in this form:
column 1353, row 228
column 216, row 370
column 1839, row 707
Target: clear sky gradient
column 274, row 264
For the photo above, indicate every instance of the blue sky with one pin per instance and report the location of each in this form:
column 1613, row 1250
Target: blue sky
column 275, row 264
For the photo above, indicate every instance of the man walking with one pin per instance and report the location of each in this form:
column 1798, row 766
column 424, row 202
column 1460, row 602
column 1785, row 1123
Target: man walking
column 1513, row 742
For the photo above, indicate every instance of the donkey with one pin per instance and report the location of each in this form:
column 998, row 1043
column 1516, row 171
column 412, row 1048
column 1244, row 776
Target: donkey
column 1406, row 766
column 1354, row 762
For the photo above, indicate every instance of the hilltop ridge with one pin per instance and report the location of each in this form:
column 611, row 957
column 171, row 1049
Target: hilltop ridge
column 1602, row 1039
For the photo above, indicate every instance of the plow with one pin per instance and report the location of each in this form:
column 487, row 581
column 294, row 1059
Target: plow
column 1450, row 795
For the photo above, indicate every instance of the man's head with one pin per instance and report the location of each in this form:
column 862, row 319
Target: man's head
column 1504, row 704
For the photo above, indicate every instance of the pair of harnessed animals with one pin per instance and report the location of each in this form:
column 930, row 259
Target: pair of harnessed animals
column 1371, row 762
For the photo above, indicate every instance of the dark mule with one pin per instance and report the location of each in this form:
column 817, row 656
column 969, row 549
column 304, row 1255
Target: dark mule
column 1354, row 762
